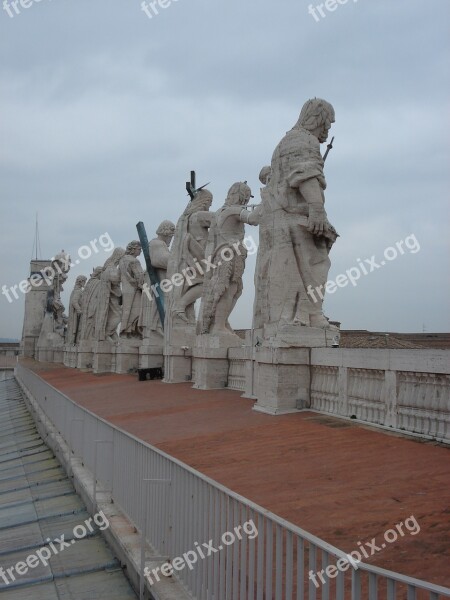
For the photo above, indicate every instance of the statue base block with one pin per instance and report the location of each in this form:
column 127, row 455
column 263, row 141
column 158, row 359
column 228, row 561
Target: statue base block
column 177, row 364
column 44, row 354
column 29, row 346
column 298, row 336
column 178, row 354
column 282, row 380
column 85, row 355
column 127, row 358
column 70, row 356
column 50, row 354
column 58, row 355
column 104, row 360
column 211, row 361
column 151, row 357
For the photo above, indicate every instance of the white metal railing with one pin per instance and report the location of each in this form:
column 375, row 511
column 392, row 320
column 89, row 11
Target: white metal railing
column 176, row 507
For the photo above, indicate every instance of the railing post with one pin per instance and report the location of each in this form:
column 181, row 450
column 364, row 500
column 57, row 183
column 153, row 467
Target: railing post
column 146, row 483
column 94, row 491
column 71, row 435
column 343, row 391
column 390, row 398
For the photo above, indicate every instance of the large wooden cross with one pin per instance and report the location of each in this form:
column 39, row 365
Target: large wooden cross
column 152, row 273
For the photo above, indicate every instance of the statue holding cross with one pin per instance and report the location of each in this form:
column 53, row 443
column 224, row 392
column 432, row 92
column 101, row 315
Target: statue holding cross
column 188, row 252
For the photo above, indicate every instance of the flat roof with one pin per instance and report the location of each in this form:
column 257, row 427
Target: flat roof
column 37, row 503
column 344, row 482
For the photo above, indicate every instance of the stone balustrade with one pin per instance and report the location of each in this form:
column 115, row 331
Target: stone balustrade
column 404, row 389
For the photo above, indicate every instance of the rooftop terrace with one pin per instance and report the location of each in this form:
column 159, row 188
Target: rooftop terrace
column 343, row 482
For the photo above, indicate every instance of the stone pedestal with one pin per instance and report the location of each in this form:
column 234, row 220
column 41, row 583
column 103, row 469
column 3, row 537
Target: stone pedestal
column 29, row 347
column 151, row 357
column 58, row 355
column 104, row 357
column 250, row 382
column 35, row 307
column 297, row 336
column 252, row 338
column 127, row 356
column 44, row 354
column 50, row 343
column 282, row 380
column 282, row 376
column 178, row 355
column 177, row 364
column 85, row 357
column 70, row 356
column 211, row 362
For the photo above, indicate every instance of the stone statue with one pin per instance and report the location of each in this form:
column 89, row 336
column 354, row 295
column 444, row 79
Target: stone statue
column 295, row 231
column 264, row 249
column 89, row 304
column 60, row 268
column 223, row 284
column 53, row 327
column 188, row 252
column 75, row 310
column 150, row 321
column 132, row 278
column 110, row 295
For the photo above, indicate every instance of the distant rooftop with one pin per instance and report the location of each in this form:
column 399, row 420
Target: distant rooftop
column 361, row 338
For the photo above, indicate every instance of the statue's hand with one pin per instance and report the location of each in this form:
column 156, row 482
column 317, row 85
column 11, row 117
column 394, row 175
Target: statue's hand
column 317, row 219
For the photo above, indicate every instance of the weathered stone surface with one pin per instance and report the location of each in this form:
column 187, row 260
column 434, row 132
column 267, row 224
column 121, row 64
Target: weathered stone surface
column 211, row 361
column 188, row 251
column 222, row 289
column 75, row 310
column 70, row 353
column 151, row 357
column 104, row 357
column 226, row 249
column 108, row 312
column 282, row 380
column 35, row 306
column 295, row 234
column 150, row 321
column 296, row 335
column 178, row 355
column 89, row 305
column 292, row 265
column 127, row 358
column 132, row 278
column 186, row 270
column 51, row 337
column 85, row 356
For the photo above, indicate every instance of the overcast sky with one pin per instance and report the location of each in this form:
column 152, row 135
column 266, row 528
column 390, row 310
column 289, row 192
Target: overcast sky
column 104, row 112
